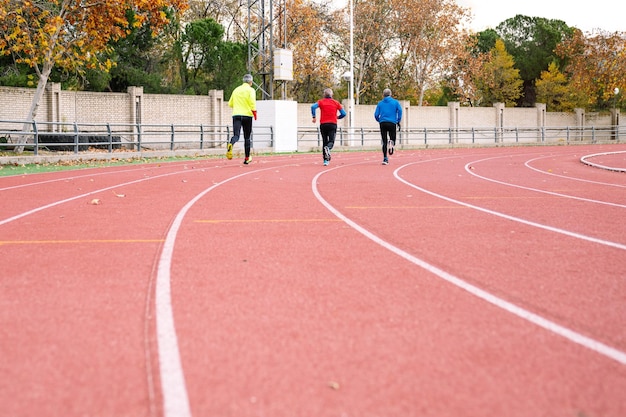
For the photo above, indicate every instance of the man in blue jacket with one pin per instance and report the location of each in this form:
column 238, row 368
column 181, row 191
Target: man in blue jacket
column 389, row 115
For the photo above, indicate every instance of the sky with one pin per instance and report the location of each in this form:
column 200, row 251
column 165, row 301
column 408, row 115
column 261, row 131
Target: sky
column 587, row 16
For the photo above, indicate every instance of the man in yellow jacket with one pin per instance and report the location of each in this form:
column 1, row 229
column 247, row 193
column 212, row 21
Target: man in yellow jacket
column 243, row 103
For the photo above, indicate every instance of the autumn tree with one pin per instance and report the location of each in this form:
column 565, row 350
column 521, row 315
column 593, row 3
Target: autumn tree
column 430, row 38
column 499, row 81
column 554, row 89
column 596, row 65
column 460, row 84
column 308, row 39
column 71, row 34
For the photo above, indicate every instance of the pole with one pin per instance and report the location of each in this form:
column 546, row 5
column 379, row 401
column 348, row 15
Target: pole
column 351, row 83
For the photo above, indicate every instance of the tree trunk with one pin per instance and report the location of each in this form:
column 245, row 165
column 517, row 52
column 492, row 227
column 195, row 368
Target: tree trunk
column 34, row 106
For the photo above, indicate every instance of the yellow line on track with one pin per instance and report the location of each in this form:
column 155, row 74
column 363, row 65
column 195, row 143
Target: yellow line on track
column 505, row 198
column 402, row 207
column 268, row 221
column 48, row 242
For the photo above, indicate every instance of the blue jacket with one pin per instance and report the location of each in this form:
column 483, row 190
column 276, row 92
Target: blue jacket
column 388, row 110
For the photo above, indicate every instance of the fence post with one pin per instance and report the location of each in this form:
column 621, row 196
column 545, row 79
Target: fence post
column 593, row 134
column 201, row 137
column 172, row 138
column 35, row 138
column 75, row 138
column 110, row 138
column 138, row 143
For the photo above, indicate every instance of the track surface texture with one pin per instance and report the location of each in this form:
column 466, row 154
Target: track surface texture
column 452, row 282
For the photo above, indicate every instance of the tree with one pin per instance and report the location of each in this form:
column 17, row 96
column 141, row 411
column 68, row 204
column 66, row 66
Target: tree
column 553, row 88
column 466, row 69
column 430, row 39
column 596, row 65
column 532, row 42
column 72, row 34
column 307, row 37
column 198, row 48
column 499, row 81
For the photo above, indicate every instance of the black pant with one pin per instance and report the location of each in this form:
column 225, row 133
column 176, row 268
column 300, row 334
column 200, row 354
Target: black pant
column 387, row 131
column 246, row 123
column 328, row 131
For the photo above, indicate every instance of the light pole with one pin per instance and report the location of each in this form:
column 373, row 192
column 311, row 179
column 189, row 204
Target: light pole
column 351, row 81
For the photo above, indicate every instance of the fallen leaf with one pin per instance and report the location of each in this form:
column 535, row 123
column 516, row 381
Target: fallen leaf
column 334, row 385
column 95, row 201
column 119, row 195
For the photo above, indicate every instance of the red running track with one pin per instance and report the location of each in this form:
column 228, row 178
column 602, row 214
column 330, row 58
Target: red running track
column 458, row 282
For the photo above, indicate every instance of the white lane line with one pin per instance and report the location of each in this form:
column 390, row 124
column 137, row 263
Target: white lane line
column 527, row 164
column 592, row 164
column 173, row 387
column 93, row 174
column 59, row 202
column 512, row 218
column 540, row 321
column 508, row 184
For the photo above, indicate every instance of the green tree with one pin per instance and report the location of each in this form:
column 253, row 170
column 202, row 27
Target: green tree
column 232, row 58
column 532, row 42
column 499, row 81
column 199, row 54
column 485, row 41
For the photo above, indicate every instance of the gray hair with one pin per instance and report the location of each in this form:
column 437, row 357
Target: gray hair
column 386, row 92
column 247, row 78
column 328, row 93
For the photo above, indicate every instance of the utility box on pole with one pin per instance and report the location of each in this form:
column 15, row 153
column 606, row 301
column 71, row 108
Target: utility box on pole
column 283, row 65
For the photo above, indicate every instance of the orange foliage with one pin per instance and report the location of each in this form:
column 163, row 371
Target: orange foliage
column 72, row 33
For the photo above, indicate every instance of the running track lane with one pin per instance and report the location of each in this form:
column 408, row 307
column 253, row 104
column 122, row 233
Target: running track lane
column 291, row 312
column 257, row 343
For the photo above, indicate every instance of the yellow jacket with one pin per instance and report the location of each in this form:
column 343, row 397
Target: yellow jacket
column 243, row 100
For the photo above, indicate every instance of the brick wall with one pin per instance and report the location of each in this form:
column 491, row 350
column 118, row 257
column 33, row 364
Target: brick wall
column 212, row 109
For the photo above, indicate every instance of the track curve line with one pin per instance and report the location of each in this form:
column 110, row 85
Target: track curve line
column 95, row 174
column 468, row 169
column 173, row 387
column 584, row 160
column 528, row 165
column 512, row 218
column 76, row 197
column 569, row 334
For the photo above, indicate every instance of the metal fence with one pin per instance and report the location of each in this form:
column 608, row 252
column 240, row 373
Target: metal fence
column 430, row 137
column 81, row 137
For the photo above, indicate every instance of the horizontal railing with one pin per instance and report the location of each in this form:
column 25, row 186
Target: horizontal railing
column 80, row 137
